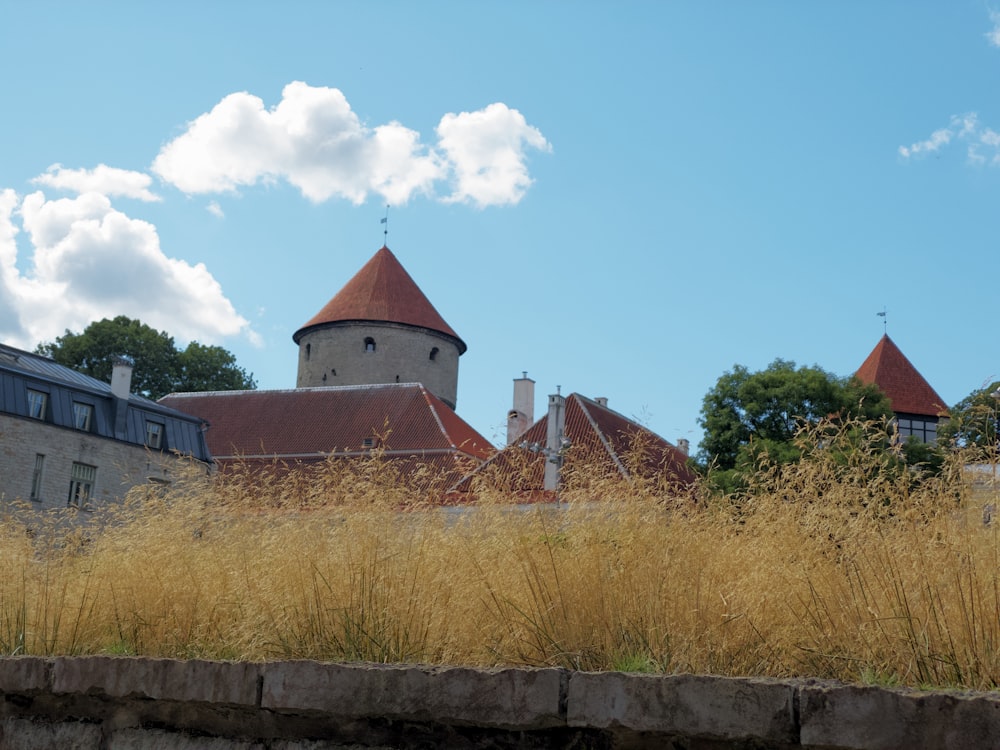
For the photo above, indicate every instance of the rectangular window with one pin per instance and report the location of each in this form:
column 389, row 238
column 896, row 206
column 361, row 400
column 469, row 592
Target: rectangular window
column 81, row 486
column 82, row 416
column 924, row 430
column 154, row 435
column 37, row 402
column 36, row 478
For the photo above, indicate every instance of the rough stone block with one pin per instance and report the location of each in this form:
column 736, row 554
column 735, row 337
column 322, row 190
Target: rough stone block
column 24, row 734
column 152, row 739
column 229, row 683
column 505, row 698
column 684, row 705
column 22, row 674
column 863, row 718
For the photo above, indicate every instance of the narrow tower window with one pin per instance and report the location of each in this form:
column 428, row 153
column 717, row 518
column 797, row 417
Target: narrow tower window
column 369, row 344
column 308, row 351
column 434, row 353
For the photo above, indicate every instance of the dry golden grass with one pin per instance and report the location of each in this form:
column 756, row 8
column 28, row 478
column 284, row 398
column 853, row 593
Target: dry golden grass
column 835, row 568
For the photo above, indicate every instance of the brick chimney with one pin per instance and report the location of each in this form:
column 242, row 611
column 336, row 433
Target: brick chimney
column 121, row 377
column 554, row 436
column 121, row 388
column 522, row 414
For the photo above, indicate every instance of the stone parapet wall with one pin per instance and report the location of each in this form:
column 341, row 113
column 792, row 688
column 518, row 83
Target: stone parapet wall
column 119, row 703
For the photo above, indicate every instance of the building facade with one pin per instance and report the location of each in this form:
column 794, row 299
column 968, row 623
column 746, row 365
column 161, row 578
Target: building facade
column 69, row 440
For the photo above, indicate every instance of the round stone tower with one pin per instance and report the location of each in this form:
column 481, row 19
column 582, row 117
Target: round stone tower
column 380, row 328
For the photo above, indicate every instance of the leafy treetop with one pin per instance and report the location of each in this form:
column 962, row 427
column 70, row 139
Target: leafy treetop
column 159, row 367
column 972, row 422
column 750, row 413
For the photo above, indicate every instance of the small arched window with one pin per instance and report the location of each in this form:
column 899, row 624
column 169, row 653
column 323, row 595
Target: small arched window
column 434, row 353
column 369, row 344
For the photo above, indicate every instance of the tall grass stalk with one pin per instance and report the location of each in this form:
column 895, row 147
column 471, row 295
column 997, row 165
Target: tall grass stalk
column 839, row 567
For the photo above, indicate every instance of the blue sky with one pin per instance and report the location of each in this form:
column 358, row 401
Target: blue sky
column 621, row 199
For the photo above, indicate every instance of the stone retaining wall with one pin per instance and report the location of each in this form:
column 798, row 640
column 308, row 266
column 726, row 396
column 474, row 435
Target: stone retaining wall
column 117, row 703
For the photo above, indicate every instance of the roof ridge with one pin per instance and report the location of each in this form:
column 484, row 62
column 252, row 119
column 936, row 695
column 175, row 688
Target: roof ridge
column 437, row 417
column 601, row 436
column 358, row 387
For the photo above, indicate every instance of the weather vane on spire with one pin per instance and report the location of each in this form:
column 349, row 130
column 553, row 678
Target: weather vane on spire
column 885, row 322
column 385, row 220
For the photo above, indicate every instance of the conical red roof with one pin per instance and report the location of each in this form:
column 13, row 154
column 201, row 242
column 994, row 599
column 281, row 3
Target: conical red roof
column 889, row 369
column 382, row 291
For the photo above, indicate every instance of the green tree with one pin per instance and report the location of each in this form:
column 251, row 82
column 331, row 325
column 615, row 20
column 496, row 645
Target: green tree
column 751, row 414
column 210, row 368
column 159, row 368
column 972, row 422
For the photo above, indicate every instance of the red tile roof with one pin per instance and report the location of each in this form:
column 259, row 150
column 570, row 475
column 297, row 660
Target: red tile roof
column 382, row 291
column 889, row 369
column 602, row 441
column 309, row 424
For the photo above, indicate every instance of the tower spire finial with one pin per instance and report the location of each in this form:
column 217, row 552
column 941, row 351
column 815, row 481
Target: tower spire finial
column 385, row 221
column 885, row 321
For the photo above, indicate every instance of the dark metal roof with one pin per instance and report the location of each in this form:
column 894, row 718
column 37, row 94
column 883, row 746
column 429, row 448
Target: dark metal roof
column 22, row 371
column 47, row 369
column 29, row 363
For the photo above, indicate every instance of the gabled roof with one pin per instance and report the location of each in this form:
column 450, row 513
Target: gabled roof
column 310, row 424
column 889, row 369
column 603, row 440
column 382, row 291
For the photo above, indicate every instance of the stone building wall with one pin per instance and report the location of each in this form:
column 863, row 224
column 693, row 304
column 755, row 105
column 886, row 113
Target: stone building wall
column 337, row 355
column 119, row 465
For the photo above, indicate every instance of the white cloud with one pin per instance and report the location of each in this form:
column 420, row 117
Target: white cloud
column 938, row 139
column 90, row 261
column 982, row 143
column 486, row 151
column 313, row 140
column 994, row 34
column 102, row 179
column 215, row 209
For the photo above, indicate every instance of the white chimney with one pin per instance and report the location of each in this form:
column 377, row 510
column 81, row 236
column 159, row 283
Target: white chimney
column 121, row 378
column 522, row 414
column 602, row 401
column 684, row 445
column 554, row 436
